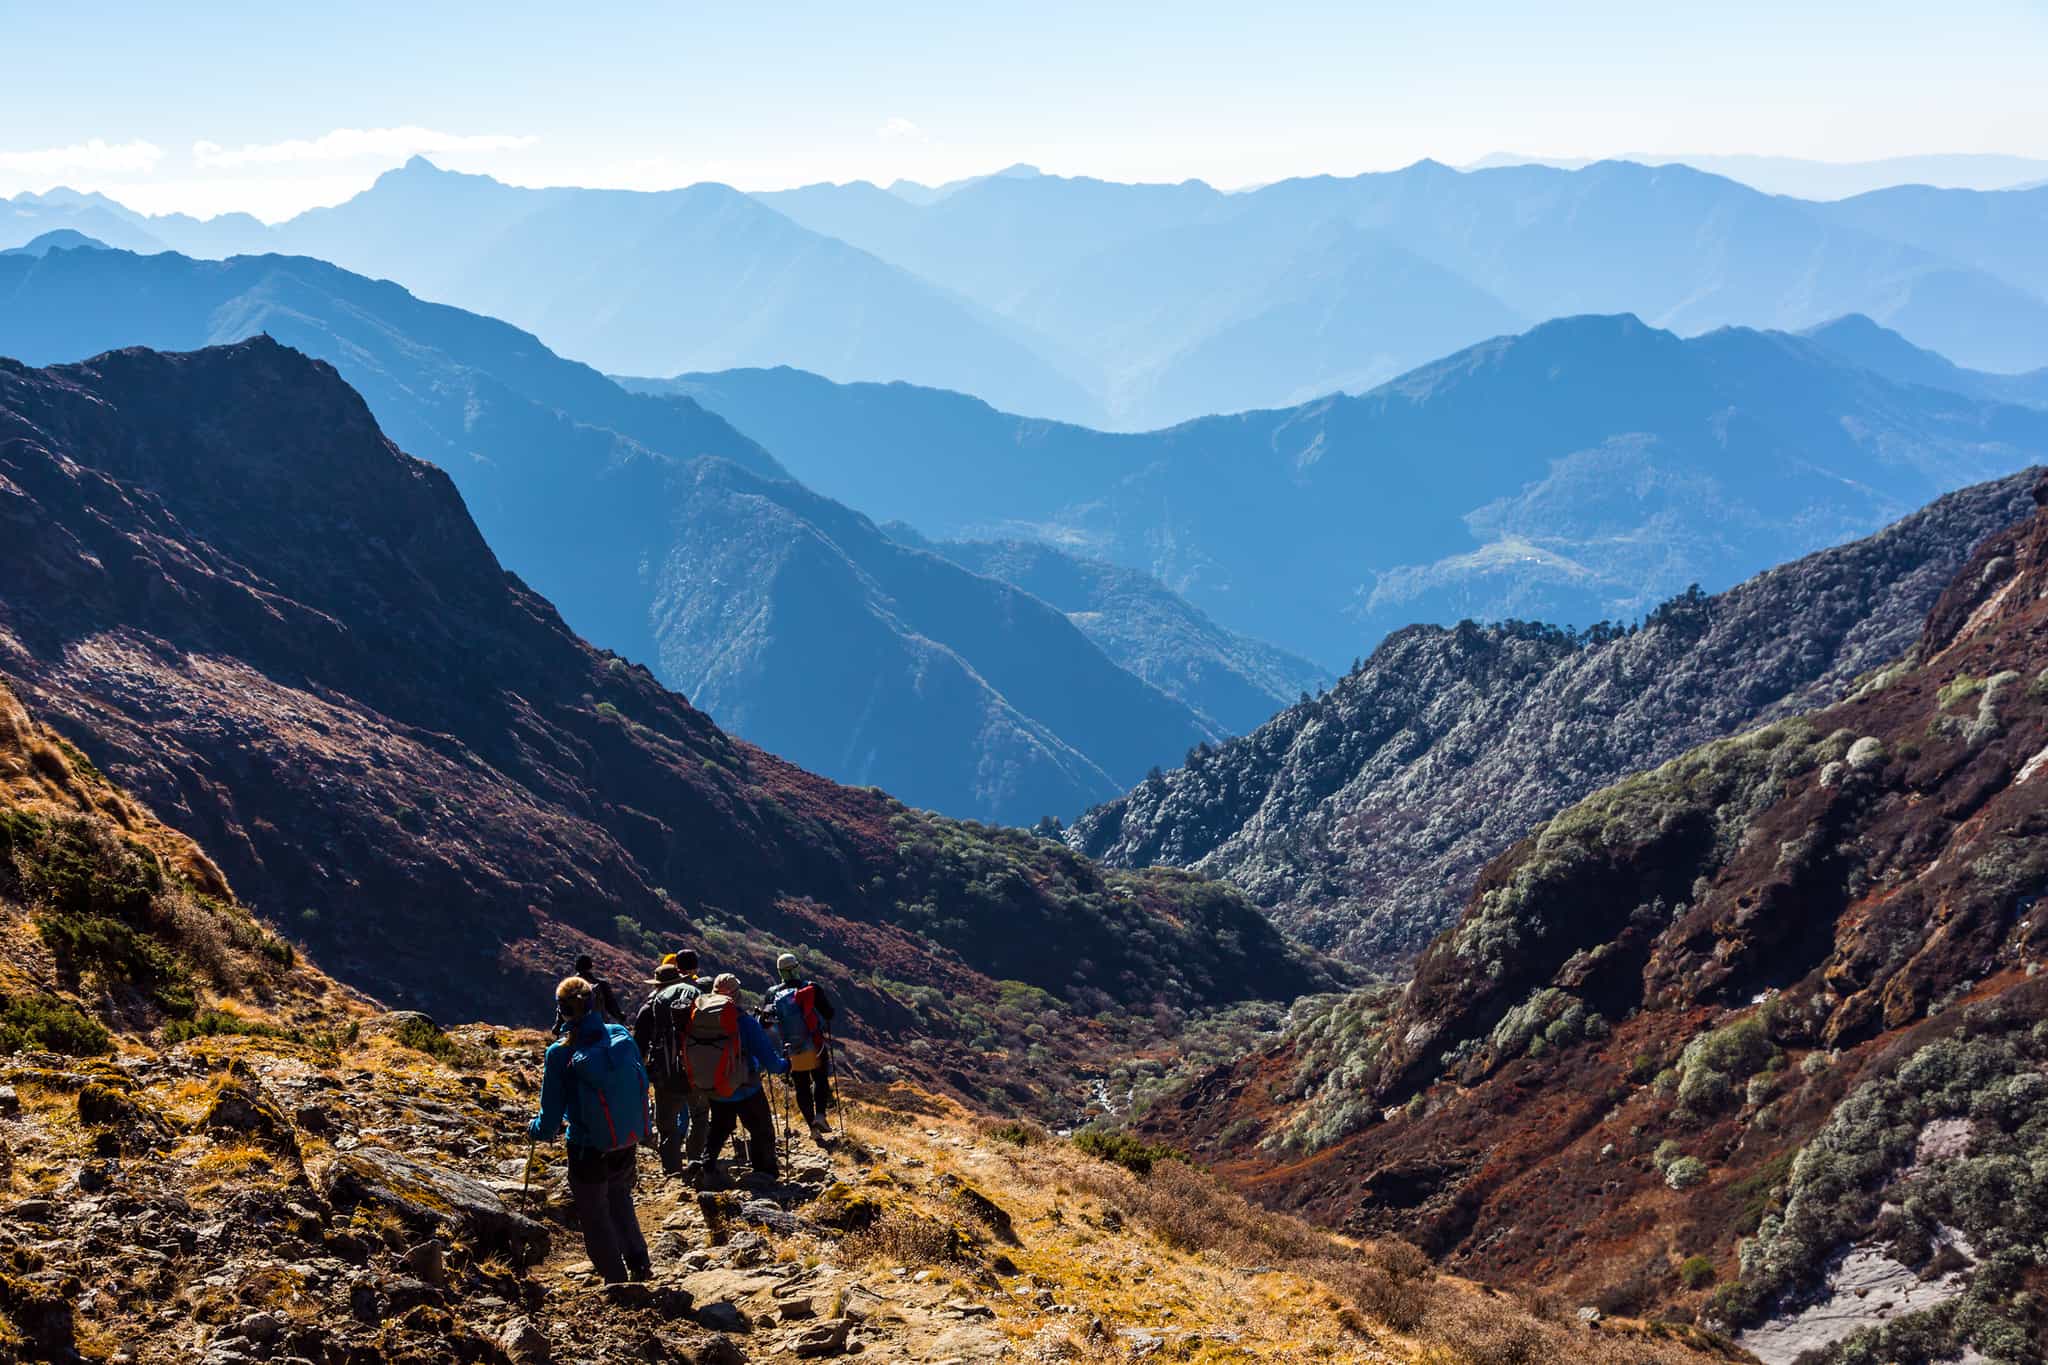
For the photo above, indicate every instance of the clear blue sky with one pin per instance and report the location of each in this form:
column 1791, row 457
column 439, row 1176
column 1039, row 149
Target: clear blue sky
column 214, row 106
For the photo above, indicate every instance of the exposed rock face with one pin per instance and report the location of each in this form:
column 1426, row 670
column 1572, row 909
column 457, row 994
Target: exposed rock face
column 1823, row 932
column 1361, row 819
column 220, row 580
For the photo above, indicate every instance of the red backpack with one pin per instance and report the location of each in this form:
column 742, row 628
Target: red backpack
column 714, row 1058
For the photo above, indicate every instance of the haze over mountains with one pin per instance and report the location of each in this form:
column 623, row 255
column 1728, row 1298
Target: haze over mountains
column 790, row 618
column 1803, row 178
column 1133, row 306
column 1583, row 471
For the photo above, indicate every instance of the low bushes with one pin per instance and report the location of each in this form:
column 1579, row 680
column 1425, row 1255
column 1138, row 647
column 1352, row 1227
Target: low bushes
column 41, row 1023
column 1132, row 1154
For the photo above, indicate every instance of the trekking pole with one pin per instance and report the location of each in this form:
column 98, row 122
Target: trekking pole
column 526, row 1181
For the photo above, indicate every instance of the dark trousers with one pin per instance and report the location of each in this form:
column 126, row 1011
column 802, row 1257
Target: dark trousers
column 814, row 1090
column 696, row 1126
column 752, row 1111
column 674, row 1118
column 601, row 1183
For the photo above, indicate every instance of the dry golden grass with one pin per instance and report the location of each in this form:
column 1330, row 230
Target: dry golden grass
column 1179, row 1255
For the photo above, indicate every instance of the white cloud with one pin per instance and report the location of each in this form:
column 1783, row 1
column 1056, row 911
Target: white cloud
column 354, row 144
column 901, row 129
column 97, row 156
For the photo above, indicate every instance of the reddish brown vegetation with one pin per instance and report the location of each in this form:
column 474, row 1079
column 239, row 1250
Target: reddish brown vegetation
column 1868, row 872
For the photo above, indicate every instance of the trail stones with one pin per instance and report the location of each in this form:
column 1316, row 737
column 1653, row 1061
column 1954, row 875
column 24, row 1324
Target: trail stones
column 524, row 1343
column 826, row 1338
column 434, row 1199
column 239, row 1107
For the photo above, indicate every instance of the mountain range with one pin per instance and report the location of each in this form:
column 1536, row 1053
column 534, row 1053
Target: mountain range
column 1751, row 1038
column 1361, row 818
column 1803, row 178
column 224, row 584
column 1133, row 306
column 1584, row 470
column 956, row 691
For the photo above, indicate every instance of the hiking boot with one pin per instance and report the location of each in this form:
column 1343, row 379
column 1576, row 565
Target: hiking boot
column 820, row 1134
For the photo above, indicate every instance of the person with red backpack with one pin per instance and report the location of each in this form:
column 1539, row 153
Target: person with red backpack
column 803, row 1016
column 725, row 1054
column 593, row 1078
column 659, row 1028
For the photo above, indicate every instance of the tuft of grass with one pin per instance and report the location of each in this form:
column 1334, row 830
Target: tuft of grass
column 906, row 1239
column 221, row 1024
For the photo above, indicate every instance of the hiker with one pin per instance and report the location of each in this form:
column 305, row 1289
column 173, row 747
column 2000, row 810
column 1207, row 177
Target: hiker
column 659, row 1029
column 725, row 1054
column 606, row 1001
column 593, row 1077
column 803, row 1016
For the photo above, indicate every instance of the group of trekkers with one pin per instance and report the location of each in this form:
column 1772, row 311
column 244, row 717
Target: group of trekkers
column 704, row 1057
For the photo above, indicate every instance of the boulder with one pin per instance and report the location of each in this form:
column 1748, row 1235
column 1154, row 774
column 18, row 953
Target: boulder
column 240, row 1107
column 723, row 1316
column 525, row 1343
column 435, row 1200
column 826, row 1338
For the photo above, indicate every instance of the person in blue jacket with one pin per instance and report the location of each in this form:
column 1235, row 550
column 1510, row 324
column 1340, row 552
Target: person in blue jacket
column 593, row 1078
column 748, row 1104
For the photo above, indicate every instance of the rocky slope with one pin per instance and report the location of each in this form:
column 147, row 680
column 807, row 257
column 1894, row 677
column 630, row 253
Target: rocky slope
column 221, row 581
column 952, row 691
column 209, row 1151
column 1585, row 470
column 1756, row 1034
column 1360, row 819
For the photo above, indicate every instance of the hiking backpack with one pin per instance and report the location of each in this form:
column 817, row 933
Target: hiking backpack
column 670, row 1024
column 611, row 1090
column 714, row 1057
column 796, row 1018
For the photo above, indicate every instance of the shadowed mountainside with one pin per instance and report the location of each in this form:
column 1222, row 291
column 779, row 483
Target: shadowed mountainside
column 225, row 584
column 970, row 698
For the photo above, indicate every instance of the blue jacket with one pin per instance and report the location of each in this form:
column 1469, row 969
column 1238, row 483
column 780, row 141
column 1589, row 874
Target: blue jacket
column 768, row 1057
column 607, row 1050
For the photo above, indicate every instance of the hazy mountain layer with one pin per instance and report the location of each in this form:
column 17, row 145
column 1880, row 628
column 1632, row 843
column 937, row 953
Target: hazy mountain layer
column 978, row 703
column 1582, row 471
column 1141, row 305
column 1233, row 681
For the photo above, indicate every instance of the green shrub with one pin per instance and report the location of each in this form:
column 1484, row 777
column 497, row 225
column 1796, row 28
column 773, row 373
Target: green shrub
column 1122, row 1149
column 1697, row 1272
column 1959, row 688
column 42, row 1023
column 422, row 1035
column 1685, row 1172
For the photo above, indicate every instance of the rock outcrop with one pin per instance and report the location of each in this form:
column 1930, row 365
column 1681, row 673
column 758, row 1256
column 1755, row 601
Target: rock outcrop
column 1360, row 819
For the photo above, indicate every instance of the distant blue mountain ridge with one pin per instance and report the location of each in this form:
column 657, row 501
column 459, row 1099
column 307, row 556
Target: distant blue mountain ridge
column 1129, row 307
column 661, row 531
column 1584, row 470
